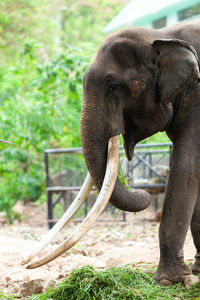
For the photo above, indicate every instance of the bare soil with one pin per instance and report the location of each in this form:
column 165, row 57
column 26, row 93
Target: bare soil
column 107, row 244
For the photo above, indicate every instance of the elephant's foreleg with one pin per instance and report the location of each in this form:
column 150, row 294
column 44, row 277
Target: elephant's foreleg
column 195, row 229
column 180, row 199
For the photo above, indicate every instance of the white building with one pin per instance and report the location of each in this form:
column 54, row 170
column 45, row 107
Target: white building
column 155, row 13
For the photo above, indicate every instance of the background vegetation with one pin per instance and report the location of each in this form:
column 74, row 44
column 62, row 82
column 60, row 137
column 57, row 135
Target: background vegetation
column 45, row 48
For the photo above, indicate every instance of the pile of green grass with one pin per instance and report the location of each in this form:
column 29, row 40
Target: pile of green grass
column 115, row 283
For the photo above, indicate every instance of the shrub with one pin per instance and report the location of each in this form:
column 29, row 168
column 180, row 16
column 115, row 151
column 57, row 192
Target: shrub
column 40, row 105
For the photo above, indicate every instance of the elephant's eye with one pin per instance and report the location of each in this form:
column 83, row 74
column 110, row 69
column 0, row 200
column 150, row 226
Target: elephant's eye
column 112, row 87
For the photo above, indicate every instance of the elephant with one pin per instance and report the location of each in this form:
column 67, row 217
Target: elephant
column 143, row 81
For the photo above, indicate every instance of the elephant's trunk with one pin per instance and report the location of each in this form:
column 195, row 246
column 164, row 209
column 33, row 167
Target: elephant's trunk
column 95, row 135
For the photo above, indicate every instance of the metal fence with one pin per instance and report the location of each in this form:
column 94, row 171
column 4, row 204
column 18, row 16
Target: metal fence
column 148, row 169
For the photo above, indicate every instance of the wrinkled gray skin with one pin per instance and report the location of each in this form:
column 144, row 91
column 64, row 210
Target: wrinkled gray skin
column 143, row 81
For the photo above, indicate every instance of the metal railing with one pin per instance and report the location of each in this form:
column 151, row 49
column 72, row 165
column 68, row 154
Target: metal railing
column 143, row 159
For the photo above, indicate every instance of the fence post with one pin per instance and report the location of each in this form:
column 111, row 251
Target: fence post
column 49, row 195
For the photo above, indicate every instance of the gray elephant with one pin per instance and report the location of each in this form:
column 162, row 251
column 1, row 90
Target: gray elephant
column 143, row 81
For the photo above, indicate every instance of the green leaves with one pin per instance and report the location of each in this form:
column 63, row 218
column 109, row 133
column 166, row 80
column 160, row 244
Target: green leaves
column 40, row 105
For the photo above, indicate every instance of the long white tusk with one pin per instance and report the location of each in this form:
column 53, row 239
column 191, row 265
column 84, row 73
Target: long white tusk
column 5, row 142
column 100, row 204
column 78, row 201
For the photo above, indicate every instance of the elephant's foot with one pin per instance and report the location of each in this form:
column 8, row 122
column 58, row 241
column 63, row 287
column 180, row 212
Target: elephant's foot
column 196, row 264
column 170, row 272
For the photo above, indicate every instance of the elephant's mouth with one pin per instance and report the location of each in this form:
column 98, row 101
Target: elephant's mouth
column 129, row 139
column 128, row 147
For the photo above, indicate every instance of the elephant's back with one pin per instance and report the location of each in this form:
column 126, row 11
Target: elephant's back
column 189, row 32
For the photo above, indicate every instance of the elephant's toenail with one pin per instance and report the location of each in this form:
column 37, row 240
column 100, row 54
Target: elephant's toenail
column 165, row 282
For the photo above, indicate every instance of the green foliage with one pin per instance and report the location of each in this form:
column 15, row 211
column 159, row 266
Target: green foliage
column 159, row 137
column 115, row 283
column 54, row 24
column 4, row 296
column 86, row 20
column 40, row 98
column 26, row 18
column 40, row 107
column 123, row 178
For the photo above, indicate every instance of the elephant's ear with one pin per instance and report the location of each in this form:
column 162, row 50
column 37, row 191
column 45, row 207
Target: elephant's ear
column 177, row 64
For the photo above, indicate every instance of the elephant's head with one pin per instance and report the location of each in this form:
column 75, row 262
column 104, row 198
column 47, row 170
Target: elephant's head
column 130, row 89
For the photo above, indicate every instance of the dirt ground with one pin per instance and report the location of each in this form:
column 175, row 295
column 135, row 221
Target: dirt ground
column 107, row 244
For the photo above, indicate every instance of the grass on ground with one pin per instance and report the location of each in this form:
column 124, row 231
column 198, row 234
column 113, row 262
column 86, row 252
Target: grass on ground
column 114, row 283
